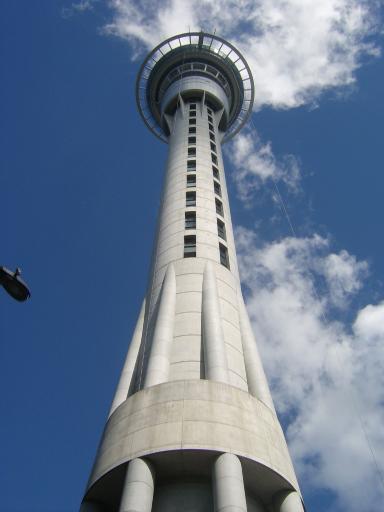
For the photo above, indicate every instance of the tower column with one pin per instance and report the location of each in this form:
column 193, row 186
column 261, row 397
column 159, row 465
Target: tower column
column 159, row 357
column 257, row 381
column 215, row 358
column 288, row 501
column 124, row 384
column 138, row 487
column 229, row 493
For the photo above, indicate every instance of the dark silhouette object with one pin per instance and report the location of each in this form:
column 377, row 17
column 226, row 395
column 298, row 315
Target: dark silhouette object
column 13, row 284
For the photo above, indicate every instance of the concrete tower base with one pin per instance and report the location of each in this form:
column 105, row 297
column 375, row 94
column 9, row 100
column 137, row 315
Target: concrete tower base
column 218, row 444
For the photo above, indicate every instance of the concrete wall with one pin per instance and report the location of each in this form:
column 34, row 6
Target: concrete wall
column 186, row 354
column 194, row 414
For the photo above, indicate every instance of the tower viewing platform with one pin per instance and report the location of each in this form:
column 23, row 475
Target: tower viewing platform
column 192, row 426
column 195, row 64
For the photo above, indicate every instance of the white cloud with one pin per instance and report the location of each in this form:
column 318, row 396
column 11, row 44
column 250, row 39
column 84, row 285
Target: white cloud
column 78, row 7
column 327, row 377
column 341, row 272
column 296, row 48
column 255, row 163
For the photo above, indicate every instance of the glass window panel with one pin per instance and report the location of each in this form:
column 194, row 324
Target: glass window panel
column 224, row 258
column 221, row 229
column 190, row 220
column 189, row 246
column 219, row 207
column 190, row 199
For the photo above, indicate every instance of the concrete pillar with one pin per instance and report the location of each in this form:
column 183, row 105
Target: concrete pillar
column 288, row 501
column 138, row 487
column 257, row 381
column 124, row 384
column 159, row 357
column 229, row 492
column 215, row 358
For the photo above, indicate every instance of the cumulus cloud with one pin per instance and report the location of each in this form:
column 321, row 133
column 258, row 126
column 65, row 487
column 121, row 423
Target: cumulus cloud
column 255, row 163
column 327, row 377
column 296, row 48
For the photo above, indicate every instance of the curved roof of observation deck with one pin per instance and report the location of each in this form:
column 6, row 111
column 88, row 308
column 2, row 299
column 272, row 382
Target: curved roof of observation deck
column 191, row 45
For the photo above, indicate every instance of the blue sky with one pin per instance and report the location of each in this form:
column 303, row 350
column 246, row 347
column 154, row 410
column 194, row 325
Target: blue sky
column 80, row 177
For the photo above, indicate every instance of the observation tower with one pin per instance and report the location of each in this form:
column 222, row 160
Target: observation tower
column 192, row 427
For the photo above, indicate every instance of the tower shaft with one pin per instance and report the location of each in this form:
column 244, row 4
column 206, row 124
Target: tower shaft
column 192, row 425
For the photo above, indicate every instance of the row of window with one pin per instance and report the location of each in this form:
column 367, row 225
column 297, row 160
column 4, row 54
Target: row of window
column 224, row 257
column 190, row 216
column 190, row 223
column 190, row 197
column 190, row 250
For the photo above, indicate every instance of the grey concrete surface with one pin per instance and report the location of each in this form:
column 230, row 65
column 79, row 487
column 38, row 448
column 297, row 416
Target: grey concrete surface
column 257, row 381
column 125, row 380
column 215, row 358
column 288, row 501
column 138, row 487
column 160, row 351
column 228, row 484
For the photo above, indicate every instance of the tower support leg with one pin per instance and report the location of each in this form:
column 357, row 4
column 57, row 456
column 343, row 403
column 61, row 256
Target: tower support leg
column 138, row 487
column 288, row 501
column 229, row 493
column 159, row 357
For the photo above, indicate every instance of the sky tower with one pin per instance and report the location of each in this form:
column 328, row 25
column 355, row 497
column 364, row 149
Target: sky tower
column 192, row 426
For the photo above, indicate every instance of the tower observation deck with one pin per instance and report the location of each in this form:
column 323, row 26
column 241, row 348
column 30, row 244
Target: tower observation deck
column 192, row 426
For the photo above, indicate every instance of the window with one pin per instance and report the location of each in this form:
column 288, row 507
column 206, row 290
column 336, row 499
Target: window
column 213, row 147
column 214, row 158
column 191, row 181
column 192, row 113
column 192, row 106
column 211, row 127
column 190, row 199
column 212, row 70
column 191, row 165
column 219, row 207
column 224, row 259
column 190, row 220
column 211, row 136
column 192, row 121
column 209, row 111
column 221, row 229
column 217, row 188
column 192, row 129
column 192, row 151
column 190, row 246
column 191, row 140
column 215, row 171
column 210, row 119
